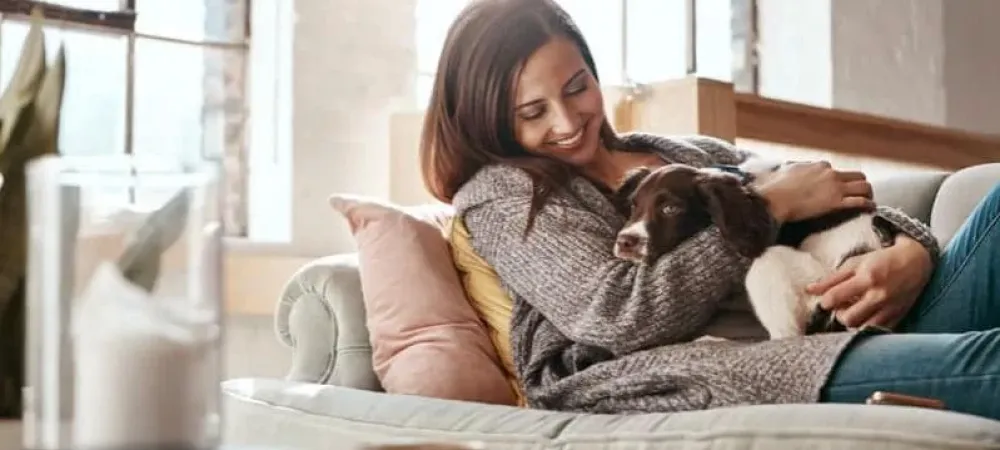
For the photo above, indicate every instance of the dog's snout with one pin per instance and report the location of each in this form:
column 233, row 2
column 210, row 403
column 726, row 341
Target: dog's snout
column 630, row 246
column 631, row 241
column 628, row 242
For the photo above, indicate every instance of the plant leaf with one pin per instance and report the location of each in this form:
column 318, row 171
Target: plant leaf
column 24, row 85
column 140, row 263
column 27, row 122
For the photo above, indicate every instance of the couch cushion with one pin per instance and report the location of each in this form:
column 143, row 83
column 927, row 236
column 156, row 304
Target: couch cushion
column 913, row 193
column 426, row 339
column 306, row 416
column 958, row 196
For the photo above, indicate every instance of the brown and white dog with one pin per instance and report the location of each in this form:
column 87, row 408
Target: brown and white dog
column 667, row 205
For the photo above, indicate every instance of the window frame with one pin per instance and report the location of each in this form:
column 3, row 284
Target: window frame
column 743, row 27
column 122, row 22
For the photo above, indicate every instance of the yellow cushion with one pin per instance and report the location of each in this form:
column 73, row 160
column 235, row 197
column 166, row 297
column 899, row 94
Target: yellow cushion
column 487, row 296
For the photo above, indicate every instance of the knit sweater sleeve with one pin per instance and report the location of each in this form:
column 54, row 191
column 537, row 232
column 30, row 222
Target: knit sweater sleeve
column 913, row 228
column 720, row 151
column 564, row 268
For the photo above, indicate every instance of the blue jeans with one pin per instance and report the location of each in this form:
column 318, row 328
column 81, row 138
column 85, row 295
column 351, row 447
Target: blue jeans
column 948, row 346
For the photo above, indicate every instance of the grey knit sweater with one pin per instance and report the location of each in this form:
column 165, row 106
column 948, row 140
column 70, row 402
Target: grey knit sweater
column 593, row 333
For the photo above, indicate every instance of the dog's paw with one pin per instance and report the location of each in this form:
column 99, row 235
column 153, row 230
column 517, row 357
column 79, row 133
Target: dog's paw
column 821, row 320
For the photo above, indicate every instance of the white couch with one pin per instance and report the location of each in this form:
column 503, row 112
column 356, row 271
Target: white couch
column 331, row 398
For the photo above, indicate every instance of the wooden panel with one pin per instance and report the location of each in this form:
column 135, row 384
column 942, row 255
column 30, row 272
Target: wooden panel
column 861, row 134
column 688, row 106
column 874, row 168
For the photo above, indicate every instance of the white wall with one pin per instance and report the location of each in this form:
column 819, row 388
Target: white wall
column 888, row 58
column 972, row 65
column 354, row 64
column 930, row 61
column 795, row 51
column 351, row 65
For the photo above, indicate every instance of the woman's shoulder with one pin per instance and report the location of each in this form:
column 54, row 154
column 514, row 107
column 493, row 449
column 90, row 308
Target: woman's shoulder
column 493, row 182
column 505, row 192
column 696, row 150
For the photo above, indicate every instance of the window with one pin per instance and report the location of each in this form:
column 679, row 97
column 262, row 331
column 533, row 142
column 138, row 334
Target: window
column 655, row 34
column 152, row 77
column 433, row 17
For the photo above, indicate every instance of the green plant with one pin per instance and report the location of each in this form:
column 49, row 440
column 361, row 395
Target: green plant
column 29, row 128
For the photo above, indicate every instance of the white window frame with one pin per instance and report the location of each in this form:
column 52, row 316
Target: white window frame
column 122, row 22
column 698, row 45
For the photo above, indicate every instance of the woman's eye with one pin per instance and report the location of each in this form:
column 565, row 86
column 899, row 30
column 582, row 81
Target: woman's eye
column 532, row 114
column 573, row 90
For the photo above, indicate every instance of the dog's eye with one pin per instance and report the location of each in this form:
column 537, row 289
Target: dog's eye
column 671, row 210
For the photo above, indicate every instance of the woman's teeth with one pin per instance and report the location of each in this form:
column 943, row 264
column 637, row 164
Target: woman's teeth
column 571, row 141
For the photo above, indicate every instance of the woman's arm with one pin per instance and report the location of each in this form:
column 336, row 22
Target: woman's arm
column 566, row 270
column 723, row 152
column 720, row 151
column 912, row 228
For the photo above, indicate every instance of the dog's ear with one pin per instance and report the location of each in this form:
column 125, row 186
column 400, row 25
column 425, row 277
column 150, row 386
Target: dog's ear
column 740, row 213
column 630, row 182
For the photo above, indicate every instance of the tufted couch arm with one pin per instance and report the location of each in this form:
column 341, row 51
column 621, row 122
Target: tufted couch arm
column 321, row 317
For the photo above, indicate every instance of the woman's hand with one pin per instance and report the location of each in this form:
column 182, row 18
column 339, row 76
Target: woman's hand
column 803, row 190
column 877, row 288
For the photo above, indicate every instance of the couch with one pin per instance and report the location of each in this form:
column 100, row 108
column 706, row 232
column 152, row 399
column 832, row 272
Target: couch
column 331, row 398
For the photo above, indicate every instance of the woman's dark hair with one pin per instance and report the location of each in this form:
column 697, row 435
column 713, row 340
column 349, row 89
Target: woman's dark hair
column 469, row 122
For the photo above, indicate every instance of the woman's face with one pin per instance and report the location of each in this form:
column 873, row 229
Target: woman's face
column 558, row 105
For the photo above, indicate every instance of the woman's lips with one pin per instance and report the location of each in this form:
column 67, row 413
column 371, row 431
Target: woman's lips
column 570, row 142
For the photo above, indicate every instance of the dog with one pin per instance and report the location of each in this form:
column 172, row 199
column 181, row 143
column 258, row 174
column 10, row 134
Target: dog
column 667, row 205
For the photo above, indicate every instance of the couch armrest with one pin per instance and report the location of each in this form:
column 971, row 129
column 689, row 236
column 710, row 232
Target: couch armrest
column 958, row 196
column 321, row 317
column 913, row 193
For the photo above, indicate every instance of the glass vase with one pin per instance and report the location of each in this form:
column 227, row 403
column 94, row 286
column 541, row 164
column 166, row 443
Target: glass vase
column 124, row 304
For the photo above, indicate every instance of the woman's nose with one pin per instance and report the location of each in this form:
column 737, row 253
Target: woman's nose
column 565, row 120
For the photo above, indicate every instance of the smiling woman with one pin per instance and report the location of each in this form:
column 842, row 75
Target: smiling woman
column 516, row 140
column 559, row 106
column 556, row 112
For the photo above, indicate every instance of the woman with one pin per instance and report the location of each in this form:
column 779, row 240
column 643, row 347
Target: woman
column 517, row 140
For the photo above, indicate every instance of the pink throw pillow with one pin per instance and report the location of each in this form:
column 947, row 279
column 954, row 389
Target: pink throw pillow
column 426, row 338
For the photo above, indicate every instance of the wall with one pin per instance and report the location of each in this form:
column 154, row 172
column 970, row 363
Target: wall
column 887, row 58
column 795, row 51
column 354, row 64
column 929, row 61
column 972, row 65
